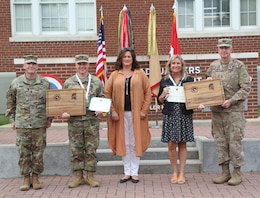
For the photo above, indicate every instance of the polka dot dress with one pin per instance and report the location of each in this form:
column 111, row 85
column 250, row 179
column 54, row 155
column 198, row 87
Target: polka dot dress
column 177, row 127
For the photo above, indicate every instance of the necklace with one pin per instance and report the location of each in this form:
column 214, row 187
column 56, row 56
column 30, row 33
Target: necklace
column 127, row 80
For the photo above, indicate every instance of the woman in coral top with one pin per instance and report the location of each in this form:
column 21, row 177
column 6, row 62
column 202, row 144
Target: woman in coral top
column 128, row 131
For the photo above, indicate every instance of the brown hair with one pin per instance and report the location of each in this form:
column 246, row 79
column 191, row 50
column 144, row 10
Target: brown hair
column 119, row 65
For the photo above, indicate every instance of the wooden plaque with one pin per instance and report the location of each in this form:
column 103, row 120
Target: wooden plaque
column 206, row 92
column 72, row 101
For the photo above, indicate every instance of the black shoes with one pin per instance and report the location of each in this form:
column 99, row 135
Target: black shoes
column 123, row 180
column 135, row 180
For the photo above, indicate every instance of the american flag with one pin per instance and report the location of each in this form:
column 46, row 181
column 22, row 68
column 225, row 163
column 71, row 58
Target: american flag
column 101, row 65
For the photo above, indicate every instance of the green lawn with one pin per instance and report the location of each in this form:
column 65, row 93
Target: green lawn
column 3, row 120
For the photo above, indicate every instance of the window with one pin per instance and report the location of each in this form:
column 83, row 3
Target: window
column 53, row 17
column 216, row 13
column 248, row 12
column 211, row 18
column 23, row 16
column 186, row 15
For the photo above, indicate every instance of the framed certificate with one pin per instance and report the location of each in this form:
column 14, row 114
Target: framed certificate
column 176, row 94
column 100, row 104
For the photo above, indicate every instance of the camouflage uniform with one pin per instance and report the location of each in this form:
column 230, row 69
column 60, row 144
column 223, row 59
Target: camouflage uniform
column 228, row 124
column 26, row 106
column 84, row 130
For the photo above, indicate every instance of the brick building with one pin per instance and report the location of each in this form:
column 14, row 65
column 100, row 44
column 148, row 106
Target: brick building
column 57, row 30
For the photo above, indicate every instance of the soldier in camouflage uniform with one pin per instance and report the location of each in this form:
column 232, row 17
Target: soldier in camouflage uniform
column 26, row 109
column 228, row 121
column 84, row 130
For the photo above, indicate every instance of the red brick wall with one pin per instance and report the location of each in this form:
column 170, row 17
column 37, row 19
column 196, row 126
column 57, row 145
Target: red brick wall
column 139, row 11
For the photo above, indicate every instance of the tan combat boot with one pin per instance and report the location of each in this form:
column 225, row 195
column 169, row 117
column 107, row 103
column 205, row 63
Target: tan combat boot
column 26, row 183
column 91, row 180
column 236, row 177
column 224, row 177
column 78, row 179
column 35, row 182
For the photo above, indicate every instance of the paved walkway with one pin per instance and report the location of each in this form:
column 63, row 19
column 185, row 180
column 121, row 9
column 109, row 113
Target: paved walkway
column 198, row 185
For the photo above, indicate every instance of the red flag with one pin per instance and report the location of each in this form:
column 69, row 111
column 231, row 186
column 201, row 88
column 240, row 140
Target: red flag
column 175, row 48
column 101, row 65
column 125, row 30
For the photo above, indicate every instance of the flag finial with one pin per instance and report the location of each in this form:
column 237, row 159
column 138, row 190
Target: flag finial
column 152, row 7
column 124, row 8
column 101, row 11
column 173, row 6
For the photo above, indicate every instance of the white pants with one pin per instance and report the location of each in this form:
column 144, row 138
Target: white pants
column 130, row 161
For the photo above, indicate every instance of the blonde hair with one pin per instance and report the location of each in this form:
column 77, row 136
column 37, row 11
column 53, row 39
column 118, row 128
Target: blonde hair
column 168, row 71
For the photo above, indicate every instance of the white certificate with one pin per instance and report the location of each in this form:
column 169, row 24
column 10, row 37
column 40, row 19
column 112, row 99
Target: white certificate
column 176, row 94
column 100, row 104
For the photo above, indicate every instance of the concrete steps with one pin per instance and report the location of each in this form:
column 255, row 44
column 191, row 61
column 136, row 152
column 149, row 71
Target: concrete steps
column 154, row 160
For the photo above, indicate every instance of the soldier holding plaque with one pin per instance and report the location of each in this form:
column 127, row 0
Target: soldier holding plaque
column 84, row 129
column 228, row 121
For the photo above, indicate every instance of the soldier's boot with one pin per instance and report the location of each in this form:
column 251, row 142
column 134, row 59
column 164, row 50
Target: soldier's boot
column 225, row 176
column 35, row 182
column 26, row 183
column 90, row 179
column 78, row 179
column 236, row 177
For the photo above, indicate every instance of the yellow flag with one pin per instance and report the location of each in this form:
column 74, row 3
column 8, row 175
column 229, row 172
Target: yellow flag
column 154, row 61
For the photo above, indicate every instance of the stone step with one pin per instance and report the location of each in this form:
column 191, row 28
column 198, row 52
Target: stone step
column 154, row 160
column 147, row 167
column 159, row 153
column 155, row 142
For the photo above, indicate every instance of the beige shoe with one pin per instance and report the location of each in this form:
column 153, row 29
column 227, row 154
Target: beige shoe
column 181, row 178
column 78, row 179
column 174, row 179
column 235, row 178
column 35, row 182
column 91, row 180
column 26, row 183
column 224, row 177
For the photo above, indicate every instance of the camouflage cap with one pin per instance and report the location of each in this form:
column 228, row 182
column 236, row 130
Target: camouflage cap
column 81, row 58
column 224, row 42
column 30, row 59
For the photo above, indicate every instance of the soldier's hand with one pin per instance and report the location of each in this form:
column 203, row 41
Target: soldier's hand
column 65, row 115
column 13, row 125
column 48, row 124
column 201, row 107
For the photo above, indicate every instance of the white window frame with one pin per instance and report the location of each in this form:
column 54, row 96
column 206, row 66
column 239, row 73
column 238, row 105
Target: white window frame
column 37, row 35
column 235, row 29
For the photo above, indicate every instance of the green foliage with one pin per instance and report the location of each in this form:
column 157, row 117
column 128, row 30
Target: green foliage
column 3, row 120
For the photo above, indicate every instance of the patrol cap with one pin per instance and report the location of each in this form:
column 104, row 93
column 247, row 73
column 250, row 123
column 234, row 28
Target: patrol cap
column 81, row 58
column 30, row 59
column 224, row 42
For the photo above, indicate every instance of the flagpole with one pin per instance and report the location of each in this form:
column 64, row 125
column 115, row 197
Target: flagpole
column 103, row 76
column 154, row 62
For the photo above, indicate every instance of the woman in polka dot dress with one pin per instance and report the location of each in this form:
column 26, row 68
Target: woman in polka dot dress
column 177, row 126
